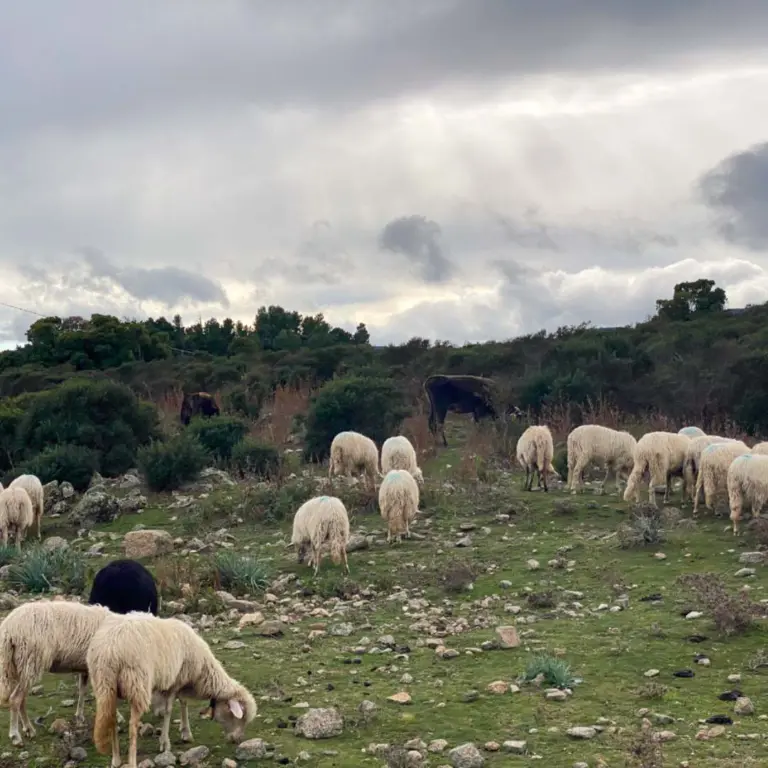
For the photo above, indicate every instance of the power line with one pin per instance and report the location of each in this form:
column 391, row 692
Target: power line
column 32, row 312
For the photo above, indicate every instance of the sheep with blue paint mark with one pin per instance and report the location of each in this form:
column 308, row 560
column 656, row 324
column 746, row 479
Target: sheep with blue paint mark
column 693, row 459
column 320, row 522
column 398, row 503
column 713, row 471
column 692, row 432
column 747, row 485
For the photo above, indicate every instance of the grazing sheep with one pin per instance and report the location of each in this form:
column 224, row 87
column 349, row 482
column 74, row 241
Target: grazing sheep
column 16, row 512
column 691, row 432
column 693, row 459
column 34, row 488
column 661, row 454
column 535, row 450
column 321, row 521
column 39, row 637
column 398, row 502
column 123, row 586
column 140, row 654
column 353, row 452
column 747, row 484
column 398, row 453
column 602, row 445
column 760, row 449
column 713, row 470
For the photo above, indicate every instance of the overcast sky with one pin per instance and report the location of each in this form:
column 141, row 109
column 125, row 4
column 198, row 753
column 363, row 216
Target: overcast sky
column 455, row 169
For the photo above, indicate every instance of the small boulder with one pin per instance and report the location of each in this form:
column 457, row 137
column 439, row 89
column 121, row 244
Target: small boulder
column 252, row 749
column 320, row 724
column 96, row 506
column 147, row 543
column 508, row 637
column 466, row 756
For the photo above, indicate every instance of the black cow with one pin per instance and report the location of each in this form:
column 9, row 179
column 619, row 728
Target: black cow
column 461, row 394
column 198, row 404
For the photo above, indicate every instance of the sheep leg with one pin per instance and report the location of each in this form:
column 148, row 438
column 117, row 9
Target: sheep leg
column 576, row 476
column 668, row 487
column 133, row 734
column 697, row 493
column 344, row 558
column 317, row 557
column 525, row 482
column 26, row 725
column 165, row 737
column 116, row 761
column 13, row 730
column 82, row 687
column 185, row 728
column 543, row 479
column 39, row 522
column 19, row 533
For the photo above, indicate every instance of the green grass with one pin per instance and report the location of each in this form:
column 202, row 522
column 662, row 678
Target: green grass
column 606, row 652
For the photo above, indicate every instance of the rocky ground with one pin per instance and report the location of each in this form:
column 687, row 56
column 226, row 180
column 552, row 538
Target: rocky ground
column 513, row 628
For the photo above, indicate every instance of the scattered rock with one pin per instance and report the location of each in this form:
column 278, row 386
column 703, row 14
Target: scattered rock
column 52, row 543
column 252, row 749
column 400, row 698
column 508, row 637
column 320, row 724
column 194, row 756
column 515, row 747
column 752, row 558
column 582, row 732
column 466, row 756
column 96, row 506
column 744, row 706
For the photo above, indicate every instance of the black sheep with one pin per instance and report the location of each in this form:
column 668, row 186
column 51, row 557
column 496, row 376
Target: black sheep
column 124, row 586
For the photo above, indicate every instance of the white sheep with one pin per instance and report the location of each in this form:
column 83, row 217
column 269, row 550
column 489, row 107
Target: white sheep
column 44, row 636
column 398, row 502
column 535, row 450
column 602, row 445
column 713, row 470
column 662, row 455
column 760, row 449
column 16, row 512
column 320, row 521
column 398, row 453
column 747, row 484
column 353, row 452
column 34, row 488
column 692, row 432
column 692, row 460
column 132, row 658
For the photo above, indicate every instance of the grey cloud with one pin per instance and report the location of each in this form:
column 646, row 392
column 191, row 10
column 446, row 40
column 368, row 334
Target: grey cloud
column 104, row 60
column 167, row 285
column 606, row 231
column 418, row 238
column 737, row 190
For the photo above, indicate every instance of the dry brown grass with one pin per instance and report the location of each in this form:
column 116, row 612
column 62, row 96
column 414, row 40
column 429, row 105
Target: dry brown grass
column 279, row 414
column 416, row 429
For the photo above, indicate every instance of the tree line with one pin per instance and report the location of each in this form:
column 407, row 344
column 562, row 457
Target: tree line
column 693, row 361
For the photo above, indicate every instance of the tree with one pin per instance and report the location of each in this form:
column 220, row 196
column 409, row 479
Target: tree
column 699, row 296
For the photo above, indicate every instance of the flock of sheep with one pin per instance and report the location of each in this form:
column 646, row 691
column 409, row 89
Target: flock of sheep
column 707, row 464
column 322, row 521
column 119, row 643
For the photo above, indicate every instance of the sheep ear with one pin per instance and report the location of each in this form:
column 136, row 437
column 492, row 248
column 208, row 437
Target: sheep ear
column 235, row 708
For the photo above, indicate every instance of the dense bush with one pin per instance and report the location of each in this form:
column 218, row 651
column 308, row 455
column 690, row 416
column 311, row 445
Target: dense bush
column 369, row 405
column 102, row 416
column 10, row 419
column 167, row 466
column 40, row 570
column 219, row 435
column 241, row 573
column 72, row 463
column 253, row 457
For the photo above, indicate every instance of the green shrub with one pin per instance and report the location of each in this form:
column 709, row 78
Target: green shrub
column 8, row 554
column 219, row 435
column 372, row 406
column 71, row 463
column 167, row 466
column 39, row 570
column 253, row 457
column 103, row 416
column 555, row 672
column 241, row 572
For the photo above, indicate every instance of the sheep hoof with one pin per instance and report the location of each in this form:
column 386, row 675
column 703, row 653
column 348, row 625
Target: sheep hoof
column 186, row 736
column 165, row 745
column 30, row 732
column 17, row 741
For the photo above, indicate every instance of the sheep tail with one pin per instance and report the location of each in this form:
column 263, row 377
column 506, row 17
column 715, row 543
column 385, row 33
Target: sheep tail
column 8, row 673
column 106, row 712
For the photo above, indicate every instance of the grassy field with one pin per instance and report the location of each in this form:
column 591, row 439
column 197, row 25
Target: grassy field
column 583, row 605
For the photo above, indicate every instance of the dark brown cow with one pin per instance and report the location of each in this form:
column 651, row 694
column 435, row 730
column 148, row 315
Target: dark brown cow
column 198, row 404
column 461, row 394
